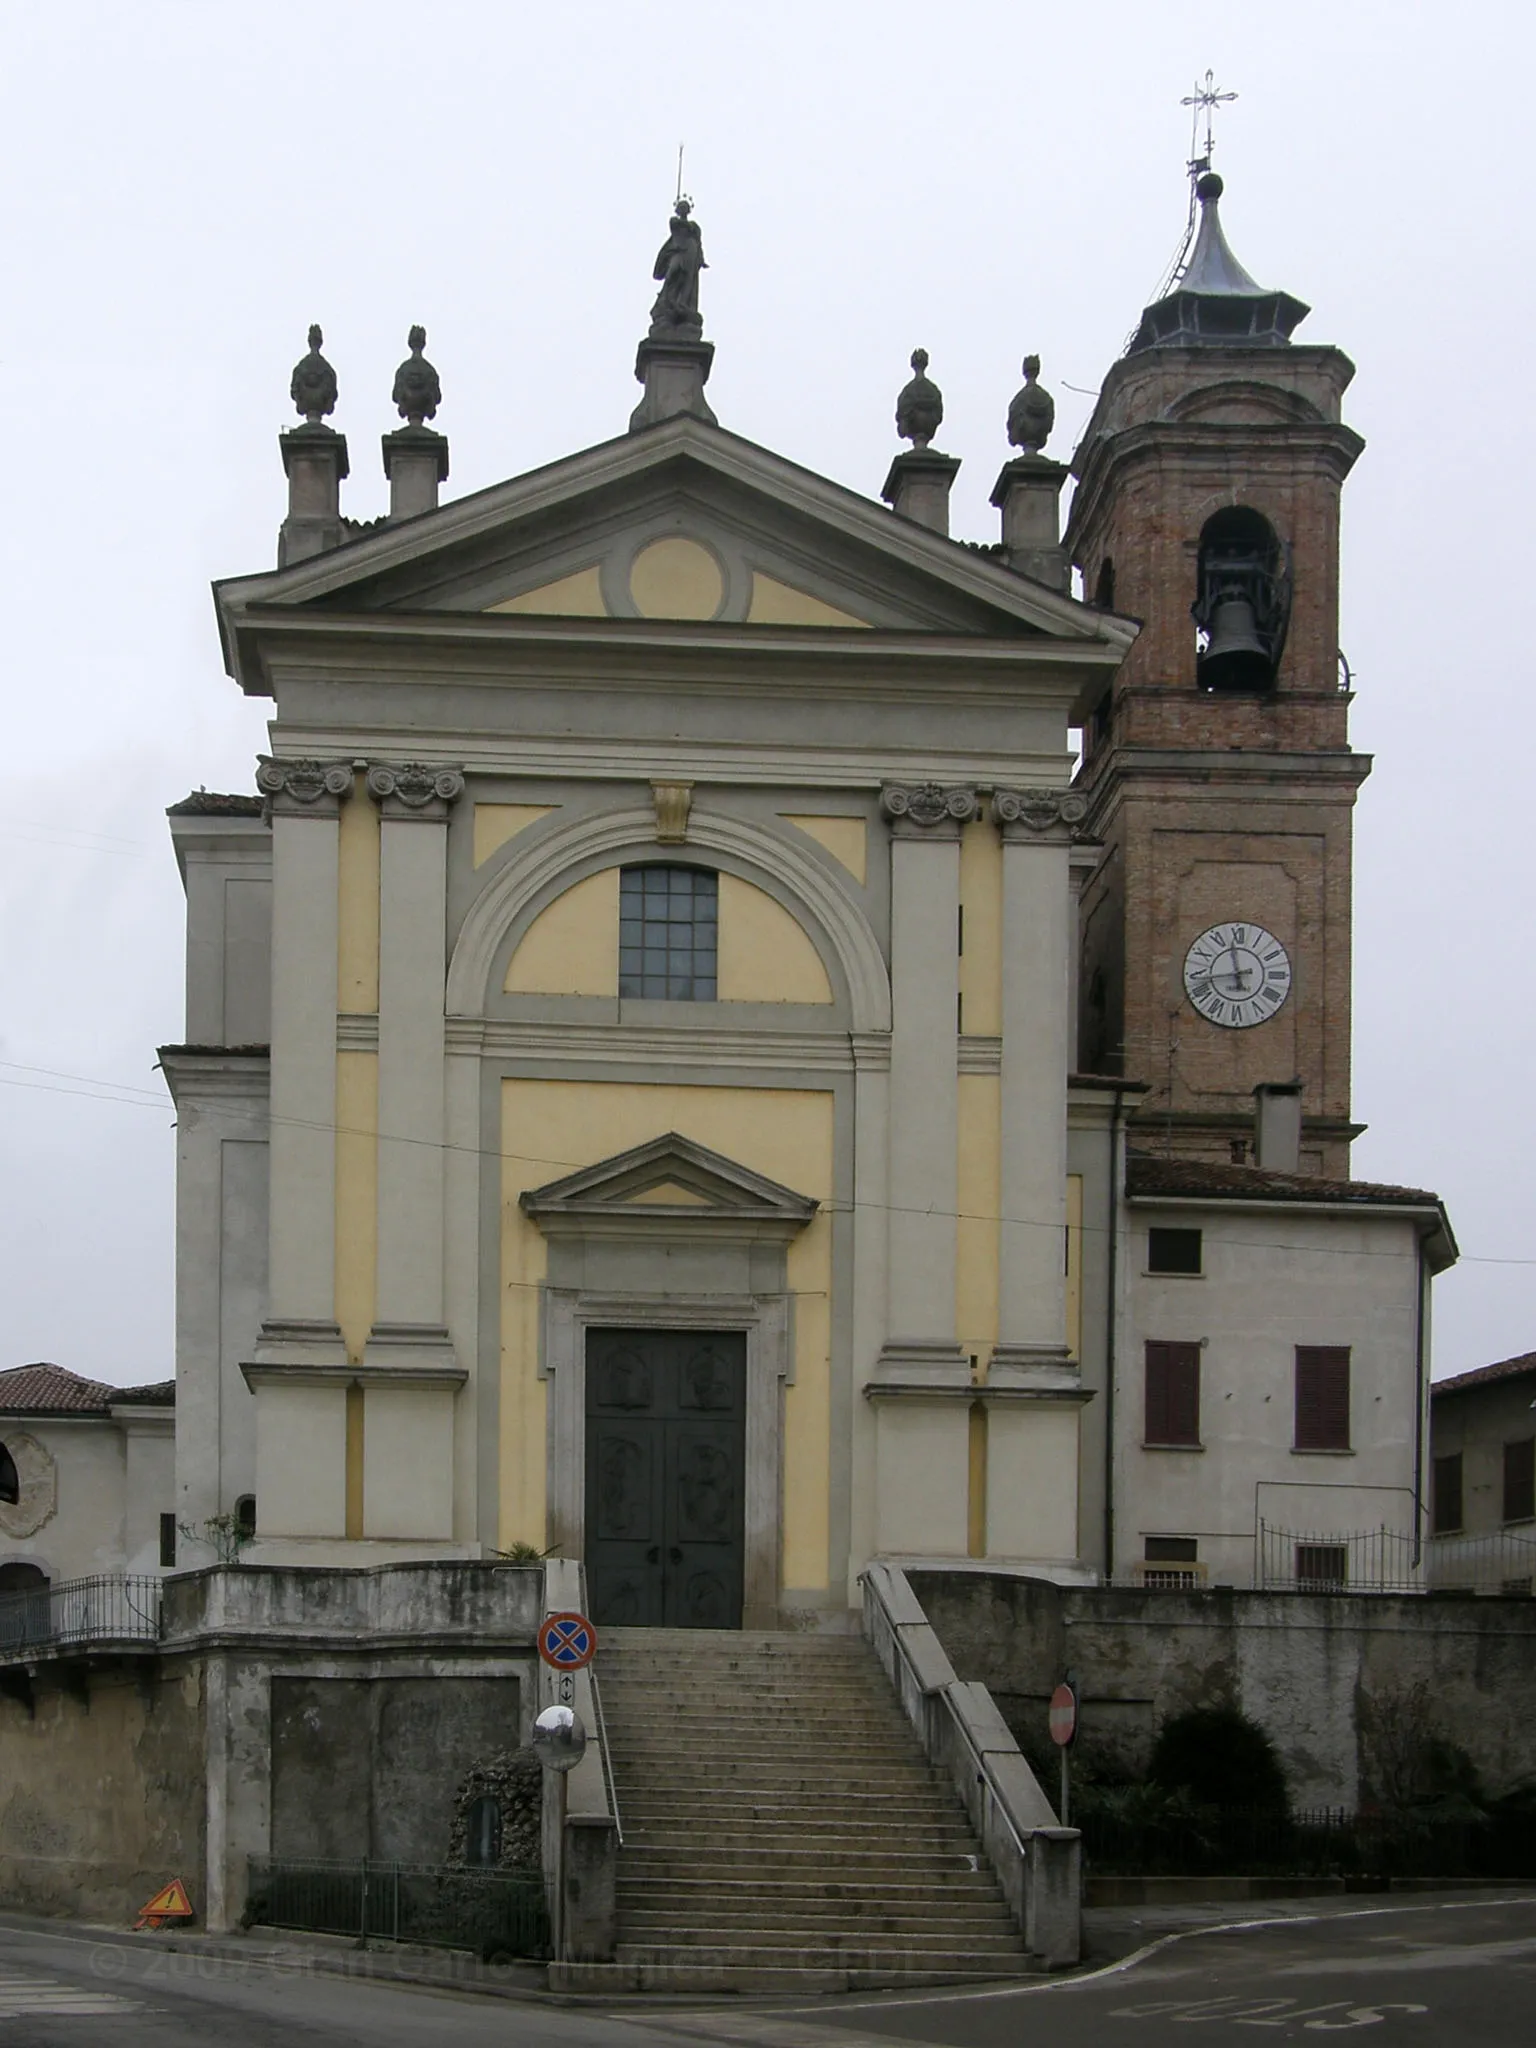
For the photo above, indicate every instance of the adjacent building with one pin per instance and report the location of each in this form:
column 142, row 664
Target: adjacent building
column 1483, row 1437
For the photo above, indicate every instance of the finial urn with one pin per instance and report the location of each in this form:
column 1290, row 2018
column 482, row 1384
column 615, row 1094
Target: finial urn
column 920, row 405
column 313, row 389
column 1032, row 413
column 417, row 393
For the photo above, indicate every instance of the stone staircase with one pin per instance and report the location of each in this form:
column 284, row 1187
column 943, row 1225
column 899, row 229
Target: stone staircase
column 783, row 1829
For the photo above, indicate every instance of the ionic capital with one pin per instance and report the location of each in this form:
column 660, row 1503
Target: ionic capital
column 415, row 790
column 1048, row 815
column 927, row 810
column 303, row 789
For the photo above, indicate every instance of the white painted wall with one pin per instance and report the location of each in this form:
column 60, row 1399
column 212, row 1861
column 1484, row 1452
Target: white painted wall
column 1274, row 1278
column 115, row 1477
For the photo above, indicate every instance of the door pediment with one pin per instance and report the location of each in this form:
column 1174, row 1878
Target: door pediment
column 669, row 1184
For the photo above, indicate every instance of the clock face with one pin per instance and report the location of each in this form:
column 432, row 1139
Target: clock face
column 1237, row 975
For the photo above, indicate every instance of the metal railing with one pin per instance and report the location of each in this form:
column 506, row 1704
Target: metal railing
column 81, row 1614
column 1389, row 1561
column 606, row 1752
column 496, row 1913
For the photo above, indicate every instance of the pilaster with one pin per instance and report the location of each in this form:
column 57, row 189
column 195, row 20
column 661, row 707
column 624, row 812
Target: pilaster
column 1037, row 966
column 925, row 821
column 304, row 800
column 414, row 802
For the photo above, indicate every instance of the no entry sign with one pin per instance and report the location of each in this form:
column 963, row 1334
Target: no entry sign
column 1063, row 1715
column 567, row 1641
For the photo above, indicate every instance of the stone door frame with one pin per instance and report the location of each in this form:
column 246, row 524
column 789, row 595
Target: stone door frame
column 766, row 1321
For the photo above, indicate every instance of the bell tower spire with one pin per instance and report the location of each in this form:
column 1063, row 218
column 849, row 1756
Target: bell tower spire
column 1217, row 766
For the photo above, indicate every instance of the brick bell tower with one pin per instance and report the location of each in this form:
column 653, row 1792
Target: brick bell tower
column 1215, row 956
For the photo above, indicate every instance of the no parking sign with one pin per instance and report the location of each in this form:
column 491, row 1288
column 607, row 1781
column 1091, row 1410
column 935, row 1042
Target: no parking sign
column 567, row 1642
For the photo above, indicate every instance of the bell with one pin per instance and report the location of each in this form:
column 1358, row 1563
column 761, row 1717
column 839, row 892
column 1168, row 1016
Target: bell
column 1235, row 657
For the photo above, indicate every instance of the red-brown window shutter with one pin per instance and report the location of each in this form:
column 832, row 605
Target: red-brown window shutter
column 1322, row 1397
column 1173, row 1393
column 1520, row 1480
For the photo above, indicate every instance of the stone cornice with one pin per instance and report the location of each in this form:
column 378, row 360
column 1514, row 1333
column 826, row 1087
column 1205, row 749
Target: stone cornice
column 303, row 788
column 927, row 810
column 415, row 790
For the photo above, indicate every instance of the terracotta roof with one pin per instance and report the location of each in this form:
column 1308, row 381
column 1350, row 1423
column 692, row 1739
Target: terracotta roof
column 52, row 1390
column 1486, row 1375
column 1145, row 1175
column 208, row 803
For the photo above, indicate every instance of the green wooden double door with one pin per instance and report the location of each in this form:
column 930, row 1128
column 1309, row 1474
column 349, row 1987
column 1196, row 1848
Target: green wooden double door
column 666, row 1471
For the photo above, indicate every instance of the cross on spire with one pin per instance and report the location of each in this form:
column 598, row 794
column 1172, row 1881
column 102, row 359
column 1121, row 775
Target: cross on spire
column 1205, row 99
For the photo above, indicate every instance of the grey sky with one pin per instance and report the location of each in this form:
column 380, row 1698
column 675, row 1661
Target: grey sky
column 188, row 185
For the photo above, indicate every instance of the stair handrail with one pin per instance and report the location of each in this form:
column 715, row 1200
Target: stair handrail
column 606, row 1752
column 1036, row 1861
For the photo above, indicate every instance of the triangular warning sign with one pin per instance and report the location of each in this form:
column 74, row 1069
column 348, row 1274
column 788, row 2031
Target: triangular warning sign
column 171, row 1903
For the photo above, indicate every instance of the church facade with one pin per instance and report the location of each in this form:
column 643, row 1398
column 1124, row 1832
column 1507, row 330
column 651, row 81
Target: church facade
column 670, row 1044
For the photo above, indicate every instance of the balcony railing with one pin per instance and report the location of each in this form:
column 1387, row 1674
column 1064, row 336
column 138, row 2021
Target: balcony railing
column 80, row 1614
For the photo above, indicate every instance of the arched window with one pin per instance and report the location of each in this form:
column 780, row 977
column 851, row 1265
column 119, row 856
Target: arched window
column 669, row 920
column 1242, row 601
column 482, row 1833
column 24, row 1607
column 10, row 1481
column 245, row 1517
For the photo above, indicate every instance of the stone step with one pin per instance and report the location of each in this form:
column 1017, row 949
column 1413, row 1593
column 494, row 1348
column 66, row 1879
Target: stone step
column 959, row 1927
column 703, row 1807
column 692, row 1978
column 883, row 1820
column 873, row 1956
column 661, row 1862
column 744, row 1777
column 696, row 1893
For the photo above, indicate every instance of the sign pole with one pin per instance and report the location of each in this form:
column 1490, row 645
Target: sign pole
column 1065, row 1789
column 561, row 1804
column 1062, row 1721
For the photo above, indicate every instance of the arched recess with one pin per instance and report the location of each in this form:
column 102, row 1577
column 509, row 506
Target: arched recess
column 765, row 857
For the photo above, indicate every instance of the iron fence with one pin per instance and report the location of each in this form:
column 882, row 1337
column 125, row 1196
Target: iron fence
column 1324, row 1842
column 1389, row 1561
column 81, row 1613
column 1499, row 1562
column 496, row 1913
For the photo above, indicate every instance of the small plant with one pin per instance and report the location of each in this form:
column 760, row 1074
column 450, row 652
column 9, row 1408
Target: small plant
column 1219, row 1757
column 520, row 1553
column 225, row 1535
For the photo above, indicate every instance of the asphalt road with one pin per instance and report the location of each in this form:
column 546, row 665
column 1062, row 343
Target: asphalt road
column 1459, row 1970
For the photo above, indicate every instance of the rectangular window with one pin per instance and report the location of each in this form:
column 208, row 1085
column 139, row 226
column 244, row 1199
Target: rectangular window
column 1322, row 1567
column 668, row 926
column 1171, row 1550
column 1520, row 1481
column 1447, row 1494
column 1173, row 1395
column 1173, row 1251
column 167, row 1542
column 1322, row 1397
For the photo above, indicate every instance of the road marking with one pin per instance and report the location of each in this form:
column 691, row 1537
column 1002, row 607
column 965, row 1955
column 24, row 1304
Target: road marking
column 958, row 1995
column 47, row 1998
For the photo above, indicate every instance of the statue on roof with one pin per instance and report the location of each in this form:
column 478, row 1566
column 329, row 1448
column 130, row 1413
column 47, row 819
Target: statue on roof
column 920, row 404
column 313, row 389
column 675, row 314
column 1032, row 413
column 417, row 393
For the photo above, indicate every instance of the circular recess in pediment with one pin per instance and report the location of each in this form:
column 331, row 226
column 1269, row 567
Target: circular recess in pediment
column 674, row 578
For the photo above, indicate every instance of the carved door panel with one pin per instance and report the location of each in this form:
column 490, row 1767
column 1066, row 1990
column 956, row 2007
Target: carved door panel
column 666, row 1443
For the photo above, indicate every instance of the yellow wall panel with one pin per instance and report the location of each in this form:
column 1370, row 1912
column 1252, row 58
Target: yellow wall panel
column 357, row 907
column 981, row 904
column 357, row 1195
column 572, row 947
column 765, row 956
column 846, row 839
column 495, row 824
column 779, row 604
column 676, row 578
column 979, row 1197
column 549, row 1128
column 569, row 597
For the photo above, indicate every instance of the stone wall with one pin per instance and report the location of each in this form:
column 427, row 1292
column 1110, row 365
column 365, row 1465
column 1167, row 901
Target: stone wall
column 373, row 1767
column 101, row 1788
column 1307, row 1667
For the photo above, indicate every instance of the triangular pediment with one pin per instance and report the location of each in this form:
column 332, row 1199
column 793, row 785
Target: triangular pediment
column 681, row 522
column 671, row 1177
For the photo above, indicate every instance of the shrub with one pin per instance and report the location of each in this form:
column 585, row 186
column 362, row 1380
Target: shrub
column 1220, row 1758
